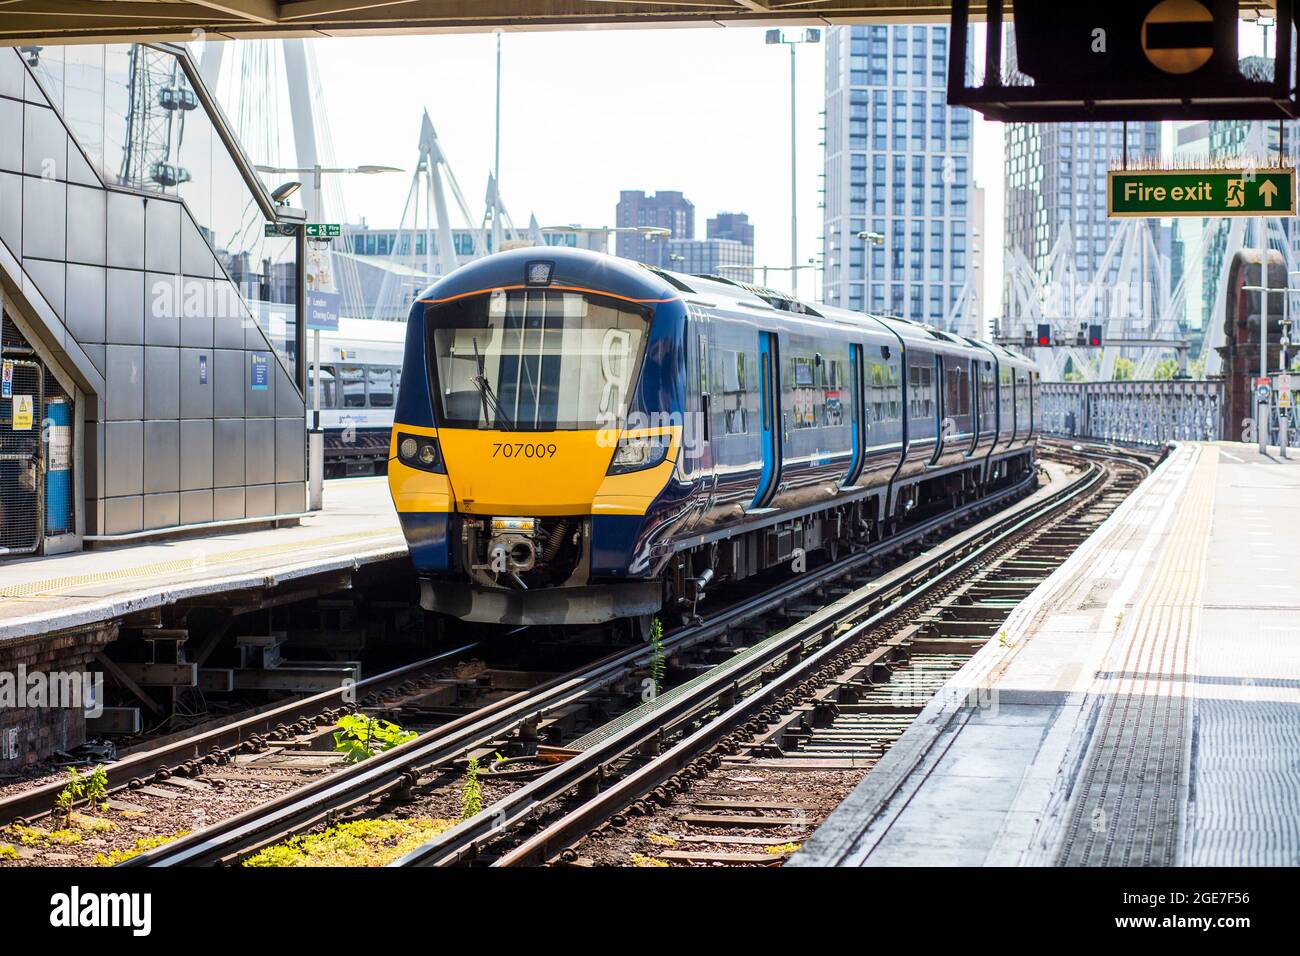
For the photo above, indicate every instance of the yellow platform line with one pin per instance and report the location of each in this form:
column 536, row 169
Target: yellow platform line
column 193, row 563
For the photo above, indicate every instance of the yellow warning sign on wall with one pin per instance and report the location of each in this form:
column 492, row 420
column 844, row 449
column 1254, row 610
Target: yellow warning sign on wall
column 23, row 413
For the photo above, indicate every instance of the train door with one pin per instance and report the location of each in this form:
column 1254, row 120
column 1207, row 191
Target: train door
column 769, row 419
column 858, row 413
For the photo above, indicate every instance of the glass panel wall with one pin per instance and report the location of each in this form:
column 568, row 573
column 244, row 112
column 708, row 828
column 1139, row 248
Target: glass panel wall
column 135, row 113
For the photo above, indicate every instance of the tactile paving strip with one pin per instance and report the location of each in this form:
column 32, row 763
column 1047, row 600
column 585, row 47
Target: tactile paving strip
column 1127, row 808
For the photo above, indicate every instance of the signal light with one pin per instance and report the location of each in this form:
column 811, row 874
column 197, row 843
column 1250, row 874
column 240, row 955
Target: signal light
column 1094, row 335
column 1044, row 334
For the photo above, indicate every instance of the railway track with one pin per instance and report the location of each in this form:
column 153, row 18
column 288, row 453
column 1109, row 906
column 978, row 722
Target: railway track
column 399, row 773
column 786, row 698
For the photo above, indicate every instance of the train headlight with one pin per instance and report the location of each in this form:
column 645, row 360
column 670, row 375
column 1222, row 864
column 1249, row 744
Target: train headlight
column 635, row 454
column 420, row 451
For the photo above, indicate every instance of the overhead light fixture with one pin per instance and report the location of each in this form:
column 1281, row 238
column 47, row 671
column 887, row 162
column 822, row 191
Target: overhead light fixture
column 285, row 190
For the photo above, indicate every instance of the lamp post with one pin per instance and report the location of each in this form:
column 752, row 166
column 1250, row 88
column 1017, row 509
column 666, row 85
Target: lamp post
column 774, row 37
column 315, row 437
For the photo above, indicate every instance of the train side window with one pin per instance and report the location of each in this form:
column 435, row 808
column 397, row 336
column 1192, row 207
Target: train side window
column 328, row 391
column 733, row 382
column 380, row 385
column 352, row 382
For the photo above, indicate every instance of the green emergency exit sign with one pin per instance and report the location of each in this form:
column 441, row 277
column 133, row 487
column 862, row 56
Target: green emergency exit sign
column 1201, row 192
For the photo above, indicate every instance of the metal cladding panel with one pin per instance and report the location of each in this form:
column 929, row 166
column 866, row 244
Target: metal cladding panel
column 11, row 147
column 93, row 449
column 125, row 381
column 84, row 311
column 79, row 170
column 123, row 515
column 162, row 456
column 259, row 451
column 124, row 309
column 86, row 225
column 228, row 319
column 228, row 453
column 96, row 355
column 162, row 382
column 162, row 236
column 290, row 498
column 196, row 329
column 196, row 506
column 44, row 218
column 162, row 322
column 259, row 402
column 123, row 458
column 11, row 73
column 427, row 539
column 290, row 449
column 11, row 211
column 51, row 279
column 196, row 383
column 288, row 401
column 45, row 144
column 259, row 500
column 196, row 256
column 196, row 454
column 125, row 231
column 228, row 383
column 227, row 503
column 162, row 511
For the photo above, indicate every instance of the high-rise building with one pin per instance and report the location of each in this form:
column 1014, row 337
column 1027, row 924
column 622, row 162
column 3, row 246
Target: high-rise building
column 666, row 209
column 898, row 165
column 731, row 225
column 729, row 258
column 1056, row 182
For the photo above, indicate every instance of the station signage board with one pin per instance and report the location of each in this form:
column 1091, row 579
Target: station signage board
column 1200, row 192
column 323, row 311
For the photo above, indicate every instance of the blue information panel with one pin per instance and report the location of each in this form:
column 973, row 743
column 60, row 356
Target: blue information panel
column 323, row 311
column 259, row 371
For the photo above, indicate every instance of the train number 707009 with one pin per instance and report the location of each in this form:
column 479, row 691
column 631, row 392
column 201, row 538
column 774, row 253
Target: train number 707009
column 522, row 450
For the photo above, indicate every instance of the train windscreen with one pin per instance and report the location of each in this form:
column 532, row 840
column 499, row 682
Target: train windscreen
column 535, row 359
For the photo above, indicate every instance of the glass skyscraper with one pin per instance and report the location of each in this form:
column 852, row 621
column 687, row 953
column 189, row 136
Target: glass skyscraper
column 1056, row 180
column 898, row 163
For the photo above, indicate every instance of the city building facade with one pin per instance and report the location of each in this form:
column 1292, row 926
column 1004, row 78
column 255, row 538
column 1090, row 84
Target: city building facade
column 666, row 209
column 898, row 165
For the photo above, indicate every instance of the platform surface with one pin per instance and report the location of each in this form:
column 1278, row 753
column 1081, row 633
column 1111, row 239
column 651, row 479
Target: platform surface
column 1143, row 709
column 357, row 526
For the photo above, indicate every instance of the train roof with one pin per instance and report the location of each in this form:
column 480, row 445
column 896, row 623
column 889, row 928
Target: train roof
column 584, row 269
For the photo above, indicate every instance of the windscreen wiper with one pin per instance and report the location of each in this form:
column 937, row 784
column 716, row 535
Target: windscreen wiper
column 490, row 402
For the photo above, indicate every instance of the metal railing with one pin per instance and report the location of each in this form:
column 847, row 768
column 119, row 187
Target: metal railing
column 1140, row 413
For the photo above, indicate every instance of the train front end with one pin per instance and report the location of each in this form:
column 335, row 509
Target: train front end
column 538, row 423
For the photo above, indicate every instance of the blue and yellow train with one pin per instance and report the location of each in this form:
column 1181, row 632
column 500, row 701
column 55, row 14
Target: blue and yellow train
column 580, row 438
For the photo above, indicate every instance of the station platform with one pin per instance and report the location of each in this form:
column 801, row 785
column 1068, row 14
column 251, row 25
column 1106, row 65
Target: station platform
column 1142, row 707
column 358, row 526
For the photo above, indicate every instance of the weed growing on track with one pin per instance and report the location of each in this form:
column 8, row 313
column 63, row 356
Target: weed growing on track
column 657, row 654
column 357, row 843
column 471, row 797
column 92, row 787
column 114, row 857
column 640, row 859
column 359, row 736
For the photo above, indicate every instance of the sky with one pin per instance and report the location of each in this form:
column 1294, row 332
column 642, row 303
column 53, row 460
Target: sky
column 589, row 112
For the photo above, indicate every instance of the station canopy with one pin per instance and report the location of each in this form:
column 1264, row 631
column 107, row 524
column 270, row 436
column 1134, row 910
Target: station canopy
column 105, row 21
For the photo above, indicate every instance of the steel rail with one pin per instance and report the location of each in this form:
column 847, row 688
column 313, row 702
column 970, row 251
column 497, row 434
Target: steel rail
column 463, row 841
column 402, row 766
column 40, row 800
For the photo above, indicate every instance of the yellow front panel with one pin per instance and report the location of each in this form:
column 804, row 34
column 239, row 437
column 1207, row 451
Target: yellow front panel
column 524, row 473
column 414, row 490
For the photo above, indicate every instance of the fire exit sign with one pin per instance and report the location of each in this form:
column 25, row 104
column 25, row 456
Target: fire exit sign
column 1201, row 192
